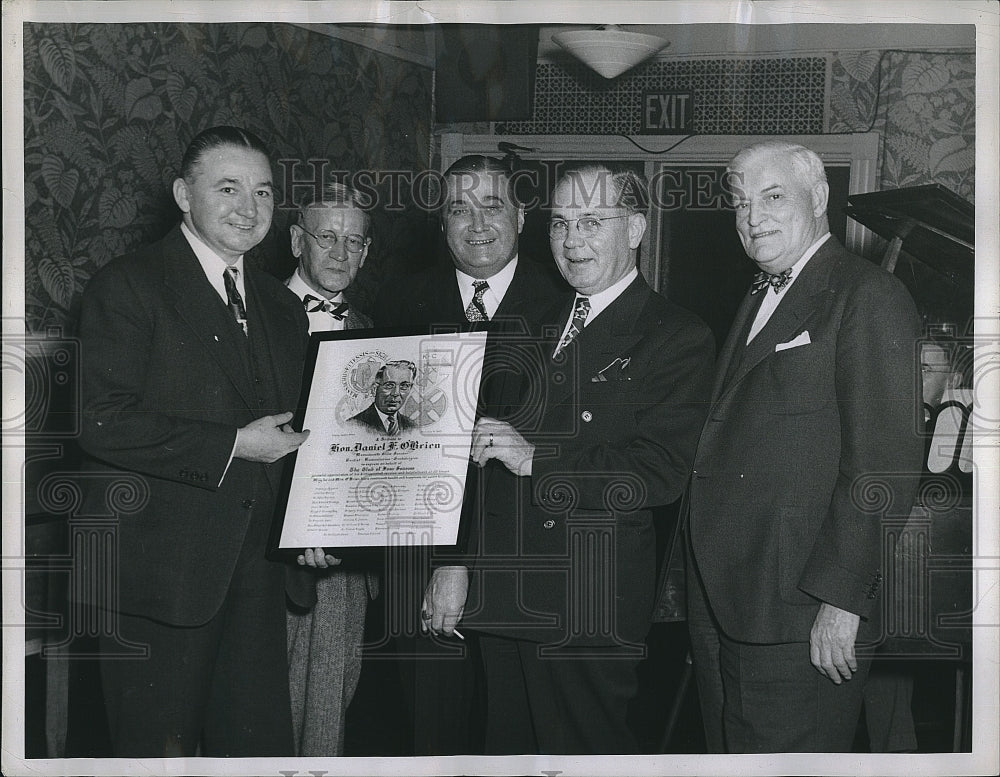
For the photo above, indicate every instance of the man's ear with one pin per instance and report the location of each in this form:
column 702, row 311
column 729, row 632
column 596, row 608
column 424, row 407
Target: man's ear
column 364, row 252
column 180, row 190
column 636, row 229
column 296, row 234
column 820, row 197
column 520, row 220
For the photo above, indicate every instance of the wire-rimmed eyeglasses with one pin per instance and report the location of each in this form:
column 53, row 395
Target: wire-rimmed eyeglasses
column 588, row 226
column 327, row 240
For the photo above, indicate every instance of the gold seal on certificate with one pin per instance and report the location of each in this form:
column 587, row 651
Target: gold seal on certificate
column 390, row 421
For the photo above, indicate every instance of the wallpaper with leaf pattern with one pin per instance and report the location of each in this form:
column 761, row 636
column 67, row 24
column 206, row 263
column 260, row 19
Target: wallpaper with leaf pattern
column 925, row 107
column 109, row 109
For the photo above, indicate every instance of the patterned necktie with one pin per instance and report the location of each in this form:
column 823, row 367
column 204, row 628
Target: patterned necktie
column 477, row 310
column 762, row 280
column 236, row 306
column 315, row 305
column 393, row 426
column 580, row 313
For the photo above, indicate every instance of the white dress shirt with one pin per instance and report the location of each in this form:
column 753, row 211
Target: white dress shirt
column 600, row 301
column 319, row 321
column 772, row 299
column 493, row 296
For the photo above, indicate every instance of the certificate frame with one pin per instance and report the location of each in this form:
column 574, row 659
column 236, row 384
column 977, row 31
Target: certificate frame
column 359, row 488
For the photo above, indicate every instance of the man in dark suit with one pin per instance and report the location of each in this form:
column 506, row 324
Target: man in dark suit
column 192, row 360
column 814, row 417
column 566, row 550
column 331, row 240
column 392, row 386
column 485, row 283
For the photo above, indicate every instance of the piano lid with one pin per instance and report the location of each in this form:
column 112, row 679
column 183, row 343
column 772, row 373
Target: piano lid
column 936, row 226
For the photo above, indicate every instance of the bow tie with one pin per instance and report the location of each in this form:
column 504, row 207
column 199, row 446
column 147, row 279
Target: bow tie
column 314, row 305
column 762, row 280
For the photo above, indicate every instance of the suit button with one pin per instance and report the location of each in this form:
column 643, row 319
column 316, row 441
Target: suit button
column 549, row 524
column 248, row 503
column 587, row 416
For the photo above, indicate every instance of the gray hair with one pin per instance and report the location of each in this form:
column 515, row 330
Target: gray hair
column 805, row 160
column 631, row 190
column 337, row 195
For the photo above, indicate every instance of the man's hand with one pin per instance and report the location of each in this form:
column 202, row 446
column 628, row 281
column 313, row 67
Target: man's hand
column 444, row 600
column 317, row 558
column 268, row 439
column 831, row 642
column 492, row 439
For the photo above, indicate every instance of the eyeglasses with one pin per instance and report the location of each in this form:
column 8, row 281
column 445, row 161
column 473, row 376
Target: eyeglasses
column 391, row 387
column 327, row 240
column 588, row 226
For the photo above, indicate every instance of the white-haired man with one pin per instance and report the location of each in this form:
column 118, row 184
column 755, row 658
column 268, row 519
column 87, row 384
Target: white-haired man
column 814, row 402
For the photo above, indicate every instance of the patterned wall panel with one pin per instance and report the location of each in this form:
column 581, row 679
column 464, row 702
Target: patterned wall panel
column 110, row 107
column 923, row 104
column 738, row 96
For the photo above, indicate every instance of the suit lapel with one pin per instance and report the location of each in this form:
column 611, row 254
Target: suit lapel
column 789, row 318
column 611, row 335
column 198, row 304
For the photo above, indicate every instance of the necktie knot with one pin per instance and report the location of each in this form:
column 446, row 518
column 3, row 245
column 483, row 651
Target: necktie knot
column 315, row 304
column 777, row 281
column 476, row 310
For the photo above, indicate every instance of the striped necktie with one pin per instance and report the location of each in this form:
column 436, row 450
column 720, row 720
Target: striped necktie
column 236, row 306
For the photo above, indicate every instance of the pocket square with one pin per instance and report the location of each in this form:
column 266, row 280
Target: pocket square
column 795, row 342
column 614, row 371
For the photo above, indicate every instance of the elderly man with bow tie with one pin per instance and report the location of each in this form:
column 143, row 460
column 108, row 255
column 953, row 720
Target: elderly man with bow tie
column 812, row 436
column 331, row 240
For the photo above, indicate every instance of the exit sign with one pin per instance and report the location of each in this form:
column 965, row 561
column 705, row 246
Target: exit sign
column 667, row 113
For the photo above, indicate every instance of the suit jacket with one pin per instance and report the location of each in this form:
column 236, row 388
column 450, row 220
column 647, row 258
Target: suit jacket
column 370, row 418
column 168, row 378
column 805, row 448
column 569, row 553
column 431, row 298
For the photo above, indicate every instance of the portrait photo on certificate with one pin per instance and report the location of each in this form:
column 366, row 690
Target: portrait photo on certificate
column 390, row 422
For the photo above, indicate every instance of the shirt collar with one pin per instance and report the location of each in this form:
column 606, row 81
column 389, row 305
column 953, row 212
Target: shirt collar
column 803, row 260
column 602, row 299
column 214, row 265
column 499, row 282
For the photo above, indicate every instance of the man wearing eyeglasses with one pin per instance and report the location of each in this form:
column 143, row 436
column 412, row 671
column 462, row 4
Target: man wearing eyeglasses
column 566, row 556
column 392, row 386
column 331, row 240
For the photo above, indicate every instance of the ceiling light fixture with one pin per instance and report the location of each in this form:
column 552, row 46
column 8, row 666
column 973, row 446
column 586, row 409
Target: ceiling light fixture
column 609, row 50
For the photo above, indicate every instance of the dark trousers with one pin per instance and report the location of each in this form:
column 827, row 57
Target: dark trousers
column 441, row 678
column 573, row 703
column 777, row 702
column 222, row 685
column 704, row 635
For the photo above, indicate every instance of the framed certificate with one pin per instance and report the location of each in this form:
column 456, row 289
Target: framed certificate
column 390, row 421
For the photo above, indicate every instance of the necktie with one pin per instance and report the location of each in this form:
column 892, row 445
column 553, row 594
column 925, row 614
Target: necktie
column 762, row 280
column 477, row 310
column 393, row 426
column 580, row 312
column 236, row 306
column 315, row 305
